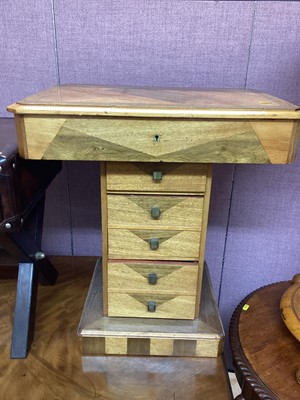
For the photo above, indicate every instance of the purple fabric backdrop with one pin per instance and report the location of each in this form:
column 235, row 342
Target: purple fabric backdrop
column 27, row 50
column 253, row 235
column 168, row 43
column 275, row 50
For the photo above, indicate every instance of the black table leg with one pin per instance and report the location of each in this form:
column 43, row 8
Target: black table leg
column 25, row 246
column 24, row 318
column 47, row 273
column 32, row 267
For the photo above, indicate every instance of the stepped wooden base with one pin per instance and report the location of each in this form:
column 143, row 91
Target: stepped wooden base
column 202, row 337
column 55, row 370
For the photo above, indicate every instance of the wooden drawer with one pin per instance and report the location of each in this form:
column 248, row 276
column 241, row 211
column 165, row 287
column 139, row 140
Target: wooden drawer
column 138, row 177
column 154, row 211
column 136, row 305
column 156, row 277
column 135, row 244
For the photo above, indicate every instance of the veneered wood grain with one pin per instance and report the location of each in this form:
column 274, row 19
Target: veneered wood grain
column 206, row 328
column 130, row 277
column 277, row 139
column 177, row 212
column 145, row 99
column 115, row 345
column 161, row 347
column 40, row 133
column 135, row 305
column 21, row 135
column 127, row 139
column 104, row 226
column 147, row 140
column 138, row 177
column 135, row 244
column 131, row 226
column 202, row 243
column 152, row 125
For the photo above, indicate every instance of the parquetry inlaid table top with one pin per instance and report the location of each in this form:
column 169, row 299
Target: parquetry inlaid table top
column 81, row 122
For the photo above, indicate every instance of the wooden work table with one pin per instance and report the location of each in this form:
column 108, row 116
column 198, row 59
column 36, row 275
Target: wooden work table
column 156, row 147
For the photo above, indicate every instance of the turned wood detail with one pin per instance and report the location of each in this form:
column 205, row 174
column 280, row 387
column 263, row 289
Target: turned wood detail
column 252, row 386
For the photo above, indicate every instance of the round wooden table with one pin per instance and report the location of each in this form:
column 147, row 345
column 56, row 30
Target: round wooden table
column 265, row 354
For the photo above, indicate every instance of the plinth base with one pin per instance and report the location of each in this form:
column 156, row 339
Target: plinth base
column 202, row 337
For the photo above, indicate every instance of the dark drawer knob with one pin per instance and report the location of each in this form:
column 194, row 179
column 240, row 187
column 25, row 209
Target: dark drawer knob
column 155, row 212
column 157, row 176
column 154, row 243
column 151, row 306
column 152, row 278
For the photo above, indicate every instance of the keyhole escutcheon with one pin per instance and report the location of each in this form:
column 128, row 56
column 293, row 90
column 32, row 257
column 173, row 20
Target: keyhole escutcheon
column 156, row 138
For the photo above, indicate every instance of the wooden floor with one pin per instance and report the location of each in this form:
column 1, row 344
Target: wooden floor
column 55, row 369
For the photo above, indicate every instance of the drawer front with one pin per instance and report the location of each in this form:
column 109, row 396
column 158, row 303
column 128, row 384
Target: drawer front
column 154, row 211
column 151, row 305
column 153, row 244
column 156, row 277
column 156, row 139
column 157, row 177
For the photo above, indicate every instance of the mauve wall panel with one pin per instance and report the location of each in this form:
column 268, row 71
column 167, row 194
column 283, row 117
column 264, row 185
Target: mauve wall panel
column 84, row 187
column 263, row 244
column 275, row 51
column 217, row 222
column 168, row 43
column 263, row 241
column 57, row 233
column 27, row 50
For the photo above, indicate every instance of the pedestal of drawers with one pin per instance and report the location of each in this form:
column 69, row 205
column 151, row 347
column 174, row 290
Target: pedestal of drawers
column 154, row 219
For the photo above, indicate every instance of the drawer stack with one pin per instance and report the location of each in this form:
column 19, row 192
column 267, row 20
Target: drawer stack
column 154, row 218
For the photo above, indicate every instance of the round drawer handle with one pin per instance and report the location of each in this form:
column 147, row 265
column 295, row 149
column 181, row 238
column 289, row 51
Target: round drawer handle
column 151, row 306
column 157, row 175
column 155, row 212
column 152, row 278
column 154, row 243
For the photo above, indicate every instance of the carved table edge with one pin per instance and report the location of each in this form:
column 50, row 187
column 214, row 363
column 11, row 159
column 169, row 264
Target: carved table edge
column 246, row 376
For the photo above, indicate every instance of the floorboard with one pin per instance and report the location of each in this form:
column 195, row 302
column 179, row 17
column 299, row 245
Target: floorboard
column 55, row 369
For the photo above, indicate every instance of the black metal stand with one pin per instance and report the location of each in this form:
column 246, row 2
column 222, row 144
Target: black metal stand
column 33, row 267
column 24, row 318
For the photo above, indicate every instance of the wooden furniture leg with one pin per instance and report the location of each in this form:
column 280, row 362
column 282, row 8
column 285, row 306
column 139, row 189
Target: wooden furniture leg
column 24, row 318
column 33, row 267
column 30, row 244
column 28, row 249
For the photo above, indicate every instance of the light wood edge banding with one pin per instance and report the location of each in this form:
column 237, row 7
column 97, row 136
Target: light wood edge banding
column 203, row 236
column 156, row 112
column 104, row 223
column 21, row 136
column 294, row 141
